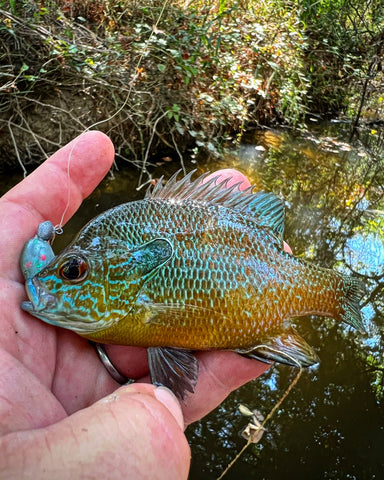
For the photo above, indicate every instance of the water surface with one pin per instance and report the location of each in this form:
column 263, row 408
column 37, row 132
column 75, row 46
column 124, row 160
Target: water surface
column 331, row 426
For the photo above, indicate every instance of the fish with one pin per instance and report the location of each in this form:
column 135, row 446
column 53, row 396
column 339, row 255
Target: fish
column 192, row 266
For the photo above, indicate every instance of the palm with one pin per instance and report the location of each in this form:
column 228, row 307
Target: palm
column 41, row 363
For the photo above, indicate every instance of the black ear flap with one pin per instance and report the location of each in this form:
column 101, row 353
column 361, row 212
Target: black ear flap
column 146, row 259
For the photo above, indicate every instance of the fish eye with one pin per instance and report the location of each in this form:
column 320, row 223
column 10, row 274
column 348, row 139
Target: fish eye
column 74, row 269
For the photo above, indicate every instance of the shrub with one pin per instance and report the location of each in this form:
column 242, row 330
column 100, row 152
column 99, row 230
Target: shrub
column 153, row 75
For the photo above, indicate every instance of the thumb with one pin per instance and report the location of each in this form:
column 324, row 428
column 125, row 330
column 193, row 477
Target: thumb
column 136, row 432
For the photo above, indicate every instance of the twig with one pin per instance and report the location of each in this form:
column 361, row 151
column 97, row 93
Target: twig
column 270, row 414
column 25, row 173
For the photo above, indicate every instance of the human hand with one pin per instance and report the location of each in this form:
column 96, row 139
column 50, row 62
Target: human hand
column 58, row 418
column 60, row 412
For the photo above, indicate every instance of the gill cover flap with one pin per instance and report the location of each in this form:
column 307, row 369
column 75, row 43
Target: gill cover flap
column 266, row 208
column 288, row 348
column 134, row 267
column 144, row 260
column 173, row 368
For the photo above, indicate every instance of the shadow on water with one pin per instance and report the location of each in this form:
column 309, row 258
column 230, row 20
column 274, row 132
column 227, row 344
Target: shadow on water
column 332, row 425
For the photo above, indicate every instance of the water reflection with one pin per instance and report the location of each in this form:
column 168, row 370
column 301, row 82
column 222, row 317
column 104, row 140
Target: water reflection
column 331, row 426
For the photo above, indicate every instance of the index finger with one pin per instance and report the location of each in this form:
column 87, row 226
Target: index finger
column 70, row 174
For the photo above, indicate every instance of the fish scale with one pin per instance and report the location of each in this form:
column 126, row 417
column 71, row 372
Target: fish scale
column 190, row 267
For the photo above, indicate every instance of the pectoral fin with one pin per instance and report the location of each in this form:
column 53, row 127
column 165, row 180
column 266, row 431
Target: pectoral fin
column 173, row 368
column 288, row 348
column 172, row 314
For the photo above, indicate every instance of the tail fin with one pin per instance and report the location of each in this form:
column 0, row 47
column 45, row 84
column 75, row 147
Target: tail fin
column 353, row 292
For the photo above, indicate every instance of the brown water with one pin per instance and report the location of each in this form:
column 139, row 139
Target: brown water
column 332, row 424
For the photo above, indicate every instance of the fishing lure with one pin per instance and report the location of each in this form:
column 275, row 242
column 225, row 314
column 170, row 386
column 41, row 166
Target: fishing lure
column 37, row 252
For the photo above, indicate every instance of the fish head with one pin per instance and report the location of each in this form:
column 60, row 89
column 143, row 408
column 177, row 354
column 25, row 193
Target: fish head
column 69, row 292
column 88, row 290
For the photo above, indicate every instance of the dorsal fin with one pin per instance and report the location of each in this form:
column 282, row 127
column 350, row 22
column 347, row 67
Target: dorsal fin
column 266, row 208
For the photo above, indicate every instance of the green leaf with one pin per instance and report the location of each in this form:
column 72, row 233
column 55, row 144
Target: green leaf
column 73, row 49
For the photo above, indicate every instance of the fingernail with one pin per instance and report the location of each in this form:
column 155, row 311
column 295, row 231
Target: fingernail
column 169, row 400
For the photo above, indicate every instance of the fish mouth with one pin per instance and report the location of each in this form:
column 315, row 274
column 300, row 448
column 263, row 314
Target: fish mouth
column 43, row 304
column 47, row 307
column 40, row 299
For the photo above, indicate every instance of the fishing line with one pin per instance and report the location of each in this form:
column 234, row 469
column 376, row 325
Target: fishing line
column 59, row 226
column 272, row 412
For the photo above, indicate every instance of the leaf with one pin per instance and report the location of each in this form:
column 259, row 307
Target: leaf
column 245, row 410
column 179, row 128
column 274, row 65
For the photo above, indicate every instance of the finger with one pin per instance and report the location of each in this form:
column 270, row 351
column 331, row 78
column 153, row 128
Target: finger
column 68, row 176
column 136, row 432
column 234, row 177
column 131, row 361
column 220, row 373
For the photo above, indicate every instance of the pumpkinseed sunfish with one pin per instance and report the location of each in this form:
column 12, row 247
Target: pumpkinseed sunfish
column 192, row 266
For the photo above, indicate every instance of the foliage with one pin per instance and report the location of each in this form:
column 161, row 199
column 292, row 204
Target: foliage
column 164, row 74
column 346, row 45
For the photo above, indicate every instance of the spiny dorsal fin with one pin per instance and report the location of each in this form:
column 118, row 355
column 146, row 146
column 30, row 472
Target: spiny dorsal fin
column 266, row 208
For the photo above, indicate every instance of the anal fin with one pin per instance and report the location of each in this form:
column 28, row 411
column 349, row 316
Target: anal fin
column 288, row 348
column 173, row 368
